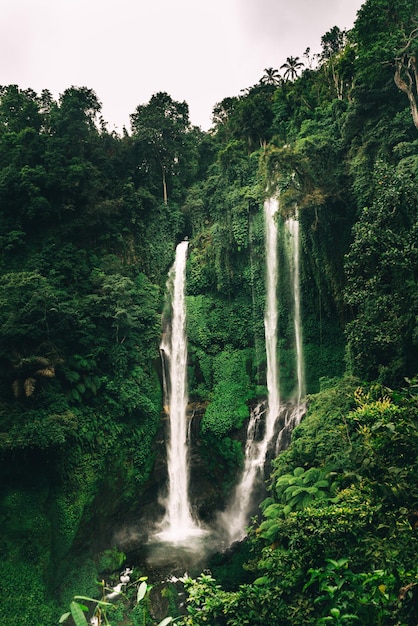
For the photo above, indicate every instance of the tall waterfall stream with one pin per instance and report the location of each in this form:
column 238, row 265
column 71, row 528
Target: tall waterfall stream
column 178, row 523
column 279, row 418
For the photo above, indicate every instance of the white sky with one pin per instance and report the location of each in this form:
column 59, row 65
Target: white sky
column 127, row 50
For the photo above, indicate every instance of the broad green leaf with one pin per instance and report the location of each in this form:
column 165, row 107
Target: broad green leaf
column 273, row 510
column 266, row 503
column 307, row 500
column 322, row 483
column 63, row 617
column 142, row 590
column 77, row 614
column 293, row 502
column 165, row 621
column 269, row 531
column 311, row 475
column 295, row 491
column 263, row 580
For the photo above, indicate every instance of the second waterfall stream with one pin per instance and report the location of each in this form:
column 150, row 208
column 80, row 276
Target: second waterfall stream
column 278, row 419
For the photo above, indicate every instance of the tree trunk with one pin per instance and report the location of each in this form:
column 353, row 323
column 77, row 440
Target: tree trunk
column 411, row 86
column 165, row 196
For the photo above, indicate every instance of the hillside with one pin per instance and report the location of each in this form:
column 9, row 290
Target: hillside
column 89, row 226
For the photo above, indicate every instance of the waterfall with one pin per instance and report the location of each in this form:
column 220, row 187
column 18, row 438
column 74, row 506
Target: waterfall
column 235, row 517
column 293, row 416
column 277, row 418
column 271, row 207
column 292, row 225
column 178, row 523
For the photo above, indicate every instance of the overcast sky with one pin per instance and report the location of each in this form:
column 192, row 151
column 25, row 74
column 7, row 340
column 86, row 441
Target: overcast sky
column 200, row 51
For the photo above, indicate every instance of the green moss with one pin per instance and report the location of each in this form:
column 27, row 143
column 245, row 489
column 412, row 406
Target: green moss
column 25, row 599
column 80, row 472
column 82, row 579
column 110, row 560
column 232, row 390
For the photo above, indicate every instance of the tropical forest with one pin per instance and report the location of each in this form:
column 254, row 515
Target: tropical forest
column 209, row 348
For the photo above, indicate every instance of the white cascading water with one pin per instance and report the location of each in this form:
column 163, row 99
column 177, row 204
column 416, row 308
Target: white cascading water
column 271, row 315
column 235, row 518
column 292, row 225
column 293, row 414
column 177, row 524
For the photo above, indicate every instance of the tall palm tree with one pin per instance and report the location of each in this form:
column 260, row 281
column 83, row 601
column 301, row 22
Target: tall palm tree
column 292, row 65
column 271, row 77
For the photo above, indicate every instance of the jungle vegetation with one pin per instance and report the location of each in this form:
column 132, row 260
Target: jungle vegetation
column 89, row 221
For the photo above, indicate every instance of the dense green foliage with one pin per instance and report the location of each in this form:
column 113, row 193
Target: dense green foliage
column 89, row 222
column 337, row 542
column 79, row 315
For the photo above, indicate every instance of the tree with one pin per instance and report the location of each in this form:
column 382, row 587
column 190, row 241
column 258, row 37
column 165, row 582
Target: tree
column 19, row 109
column 254, row 117
column 271, row 77
column 161, row 129
column 381, row 271
column 332, row 42
column 337, row 59
column 76, row 117
column 381, row 30
column 22, row 172
column 222, row 111
column 291, row 67
column 310, row 58
column 406, row 73
column 223, row 114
